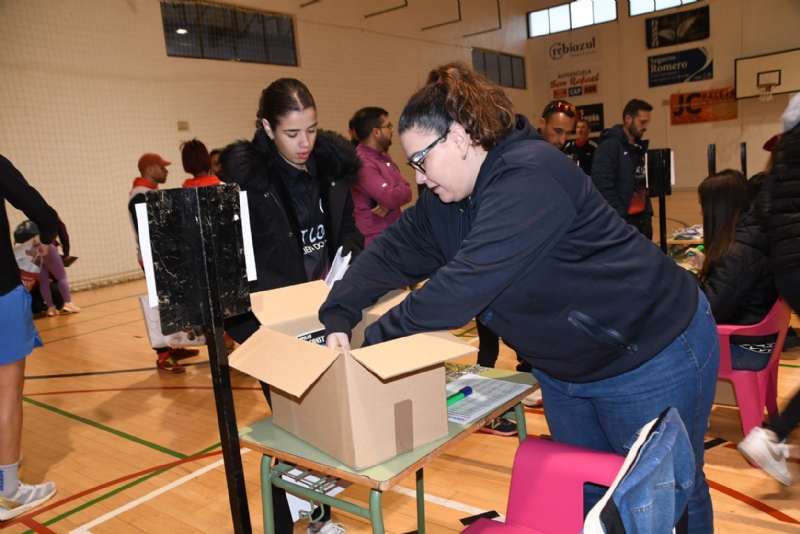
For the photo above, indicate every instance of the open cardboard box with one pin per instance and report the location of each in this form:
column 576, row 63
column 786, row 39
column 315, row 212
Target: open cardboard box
column 362, row 406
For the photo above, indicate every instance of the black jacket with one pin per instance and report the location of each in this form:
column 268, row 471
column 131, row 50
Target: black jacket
column 25, row 198
column 740, row 289
column 778, row 203
column 538, row 255
column 276, row 240
column 614, row 168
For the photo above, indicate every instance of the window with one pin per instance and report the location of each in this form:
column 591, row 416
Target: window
column 218, row 32
column 640, row 7
column 571, row 16
column 502, row 69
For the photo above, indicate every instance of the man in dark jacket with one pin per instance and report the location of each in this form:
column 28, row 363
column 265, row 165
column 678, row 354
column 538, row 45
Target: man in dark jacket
column 19, row 337
column 618, row 170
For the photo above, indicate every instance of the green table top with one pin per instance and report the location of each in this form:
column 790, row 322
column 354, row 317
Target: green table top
column 266, row 434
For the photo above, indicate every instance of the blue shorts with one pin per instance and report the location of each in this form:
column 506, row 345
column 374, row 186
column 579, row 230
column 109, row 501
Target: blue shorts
column 17, row 331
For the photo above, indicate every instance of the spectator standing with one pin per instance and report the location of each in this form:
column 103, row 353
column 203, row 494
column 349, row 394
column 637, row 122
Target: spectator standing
column 19, row 337
column 618, row 169
column 381, row 190
column 582, row 148
column 557, row 121
column 197, row 162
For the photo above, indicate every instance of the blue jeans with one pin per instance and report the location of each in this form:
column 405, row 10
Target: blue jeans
column 747, row 360
column 604, row 415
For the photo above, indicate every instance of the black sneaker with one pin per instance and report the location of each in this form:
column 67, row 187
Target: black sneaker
column 500, row 427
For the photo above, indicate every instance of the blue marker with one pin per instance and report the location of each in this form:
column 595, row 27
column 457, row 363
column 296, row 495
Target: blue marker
column 463, row 392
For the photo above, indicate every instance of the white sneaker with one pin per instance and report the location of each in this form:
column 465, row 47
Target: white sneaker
column 70, row 308
column 761, row 447
column 534, row 400
column 26, row 498
column 328, row 527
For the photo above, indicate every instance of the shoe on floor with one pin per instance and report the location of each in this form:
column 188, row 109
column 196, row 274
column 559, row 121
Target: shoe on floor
column 500, row 427
column 69, row 307
column 52, row 312
column 182, row 354
column 534, row 400
column 761, row 447
column 27, row 498
column 170, row 366
column 328, row 527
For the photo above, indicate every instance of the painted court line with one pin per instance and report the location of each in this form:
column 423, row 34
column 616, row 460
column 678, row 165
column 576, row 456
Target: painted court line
column 447, row 503
column 84, row 529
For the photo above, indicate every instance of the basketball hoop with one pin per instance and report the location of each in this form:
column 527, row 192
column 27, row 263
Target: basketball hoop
column 765, row 91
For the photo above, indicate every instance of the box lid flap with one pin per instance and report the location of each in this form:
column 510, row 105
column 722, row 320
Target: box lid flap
column 411, row 353
column 287, row 304
column 283, row 361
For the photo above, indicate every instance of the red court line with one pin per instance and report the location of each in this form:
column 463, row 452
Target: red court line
column 790, row 459
column 38, row 511
column 36, row 527
column 758, row 505
column 158, row 388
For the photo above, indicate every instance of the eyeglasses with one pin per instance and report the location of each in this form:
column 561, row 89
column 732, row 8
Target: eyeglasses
column 560, row 107
column 415, row 162
column 390, row 126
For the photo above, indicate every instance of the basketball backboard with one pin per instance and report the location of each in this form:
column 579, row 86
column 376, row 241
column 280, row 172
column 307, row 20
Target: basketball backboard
column 781, row 71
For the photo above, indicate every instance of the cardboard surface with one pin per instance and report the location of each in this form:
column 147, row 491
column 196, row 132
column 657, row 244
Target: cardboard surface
column 363, row 406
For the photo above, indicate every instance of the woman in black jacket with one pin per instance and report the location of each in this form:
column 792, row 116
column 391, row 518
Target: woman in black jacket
column 297, row 180
column 733, row 271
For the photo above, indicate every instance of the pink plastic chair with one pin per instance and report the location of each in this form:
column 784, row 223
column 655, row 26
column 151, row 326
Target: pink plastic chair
column 755, row 390
column 546, row 494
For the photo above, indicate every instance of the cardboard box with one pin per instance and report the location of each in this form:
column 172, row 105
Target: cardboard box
column 362, row 406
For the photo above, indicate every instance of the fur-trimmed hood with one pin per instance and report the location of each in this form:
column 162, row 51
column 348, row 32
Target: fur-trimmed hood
column 252, row 164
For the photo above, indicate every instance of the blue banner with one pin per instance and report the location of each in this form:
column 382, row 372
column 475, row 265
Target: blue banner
column 691, row 65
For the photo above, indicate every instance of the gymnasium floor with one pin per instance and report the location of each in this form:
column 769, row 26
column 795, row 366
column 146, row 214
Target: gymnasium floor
column 133, row 450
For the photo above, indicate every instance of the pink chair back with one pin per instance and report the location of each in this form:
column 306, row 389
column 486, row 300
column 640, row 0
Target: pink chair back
column 755, row 390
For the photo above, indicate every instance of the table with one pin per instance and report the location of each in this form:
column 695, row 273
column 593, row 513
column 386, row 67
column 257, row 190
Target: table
column 265, row 437
column 676, row 248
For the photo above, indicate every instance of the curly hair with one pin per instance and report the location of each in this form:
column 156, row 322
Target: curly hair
column 454, row 93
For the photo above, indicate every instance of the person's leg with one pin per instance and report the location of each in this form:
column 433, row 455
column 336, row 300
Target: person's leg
column 489, row 347
column 12, row 380
column 788, row 420
column 55, row 265
column 604, row 415
column 748, row 360
column 44, row 287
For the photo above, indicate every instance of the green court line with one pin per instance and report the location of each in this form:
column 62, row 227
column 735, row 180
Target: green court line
column 116, row 491
column 467, row 331
column 99, row 426
column 789, row 365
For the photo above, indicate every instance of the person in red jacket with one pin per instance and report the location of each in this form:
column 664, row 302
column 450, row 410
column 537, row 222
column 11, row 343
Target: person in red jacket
column 197, row 162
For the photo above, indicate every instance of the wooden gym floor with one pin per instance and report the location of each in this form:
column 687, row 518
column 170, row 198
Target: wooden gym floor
column 135, row 451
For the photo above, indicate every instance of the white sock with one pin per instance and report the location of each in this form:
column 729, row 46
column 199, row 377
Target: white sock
column 9, row 481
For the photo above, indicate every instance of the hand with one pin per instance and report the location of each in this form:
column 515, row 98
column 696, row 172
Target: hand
column 337, row 340
column 695, row 258
column 349, row 246
column 40, row 248
column 380, row 211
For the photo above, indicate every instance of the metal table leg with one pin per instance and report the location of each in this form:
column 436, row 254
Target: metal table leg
column 420, row 503
column 375, row 512
column 266, row 494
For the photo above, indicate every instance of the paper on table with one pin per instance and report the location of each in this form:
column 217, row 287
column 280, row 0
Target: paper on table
column 487, row 394
column 338, row 267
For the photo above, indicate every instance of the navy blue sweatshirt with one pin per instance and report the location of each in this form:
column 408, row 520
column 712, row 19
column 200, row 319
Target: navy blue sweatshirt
column 539, row 255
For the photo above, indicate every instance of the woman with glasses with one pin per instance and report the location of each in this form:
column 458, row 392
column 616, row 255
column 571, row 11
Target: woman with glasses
column 297, row 179
column 513, row 232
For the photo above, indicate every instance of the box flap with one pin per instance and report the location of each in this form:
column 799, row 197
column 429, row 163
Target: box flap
column 288, row 304
column 410, row 353
column 283, row 361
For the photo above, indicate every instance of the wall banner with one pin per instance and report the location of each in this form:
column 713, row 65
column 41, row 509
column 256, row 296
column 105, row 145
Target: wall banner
column 563, row 51
column 594, row 114
column 677, row 28
column 703, row 106
column 690, row 65
column 573, row 83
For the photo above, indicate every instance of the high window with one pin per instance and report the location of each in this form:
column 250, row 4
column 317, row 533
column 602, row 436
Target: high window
column 640, row 7
column 502, row 69
column 571, row 16
column 217, row 32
